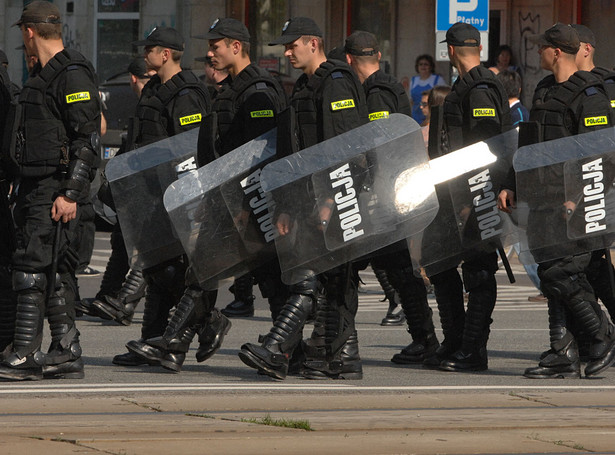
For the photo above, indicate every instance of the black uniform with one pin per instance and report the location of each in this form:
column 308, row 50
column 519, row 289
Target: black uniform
column 477, row 108
column 54, row 152
column 600, row 270
column 386, row 96
column 7, row 230
column 328, row 103
column 560, row 110
column 246, row 107
column 164, row 110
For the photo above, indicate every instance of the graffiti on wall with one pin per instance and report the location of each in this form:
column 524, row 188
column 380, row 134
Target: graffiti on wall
column 529, row 24
column 70, row 38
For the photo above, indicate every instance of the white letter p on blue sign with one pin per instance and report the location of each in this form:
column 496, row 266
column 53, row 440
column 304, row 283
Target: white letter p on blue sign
column 457, row 6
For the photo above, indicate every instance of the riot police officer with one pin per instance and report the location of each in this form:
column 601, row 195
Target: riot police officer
column 7, row 229
column 386, row 96
column 600, row 268
column 476, row 109
column 563, row 103
column 121, row 287
column 246, row 107
column 320, row 114
column 54, row 155
column 173, row 101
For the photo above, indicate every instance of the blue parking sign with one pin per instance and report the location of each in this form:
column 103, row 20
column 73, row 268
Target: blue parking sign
column 474, row 12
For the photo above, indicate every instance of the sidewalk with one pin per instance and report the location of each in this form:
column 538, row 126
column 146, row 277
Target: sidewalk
column 422, row 423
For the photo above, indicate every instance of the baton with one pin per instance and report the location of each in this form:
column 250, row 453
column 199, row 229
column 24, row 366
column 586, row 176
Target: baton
column 506, row 264
column 54, row 258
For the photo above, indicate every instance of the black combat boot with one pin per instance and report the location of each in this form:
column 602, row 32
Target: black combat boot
column 602, row 331
column 164, row 288
column 63, row 360
column 562, row 360
column 599, row 274
column 25, row 360
column 192, row 313
column 273, row 355
column 176, row 354
column 122, row 308
column 336, row 355
column 113, row 277
column 391, row 317
column 448, row 290
column 8, row 310
column 419, row 318
column 243, row 305
column 473, row 353
column 212, row 334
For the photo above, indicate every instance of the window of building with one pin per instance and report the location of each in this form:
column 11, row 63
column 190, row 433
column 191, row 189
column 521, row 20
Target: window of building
column 266, row 19
column 117, row 26
column 375, row 17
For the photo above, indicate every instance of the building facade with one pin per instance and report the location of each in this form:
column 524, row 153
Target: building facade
column 103, row 29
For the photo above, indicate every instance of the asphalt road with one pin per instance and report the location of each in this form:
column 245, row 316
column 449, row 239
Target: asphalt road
column 518, row 335
column 219, row 406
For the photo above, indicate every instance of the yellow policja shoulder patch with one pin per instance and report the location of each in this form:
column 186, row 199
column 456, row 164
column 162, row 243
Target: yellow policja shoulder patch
column 76, row 97
column 342, row 104
column 484, row 112
column 189, row 119
column 595, row 121
column 261, row 114
column 378, row 115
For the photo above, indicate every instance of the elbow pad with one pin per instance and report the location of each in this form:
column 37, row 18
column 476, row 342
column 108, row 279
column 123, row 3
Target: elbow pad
column 77, row 180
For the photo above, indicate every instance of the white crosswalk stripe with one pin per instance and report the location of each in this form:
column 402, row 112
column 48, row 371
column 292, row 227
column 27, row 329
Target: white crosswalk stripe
column 509, row 296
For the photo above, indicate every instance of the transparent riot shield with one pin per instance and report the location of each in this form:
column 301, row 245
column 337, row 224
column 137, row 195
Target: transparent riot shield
column 138, row 180
column 350, row 195
column 565, row 195
column 220, row 213
column 468, row 223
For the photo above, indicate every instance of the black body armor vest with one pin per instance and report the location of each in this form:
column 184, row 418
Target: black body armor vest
column 608, row 77
column 386, row 82
column 453, row 105
column 40, row 143
column 556, row 116
column 306, row 97
column 228, row 100
column 150, row 109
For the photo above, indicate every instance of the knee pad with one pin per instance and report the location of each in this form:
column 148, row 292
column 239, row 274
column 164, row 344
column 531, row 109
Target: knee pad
column 556, row 283
column 473, row 279
column 309, row 285
column 166, row 275
column 25, row 280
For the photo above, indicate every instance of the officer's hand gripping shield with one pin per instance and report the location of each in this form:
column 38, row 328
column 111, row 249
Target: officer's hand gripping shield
column 138, row 180
column 565, row 195
column 221, row 216
column 349, row 196
column 468, row 222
